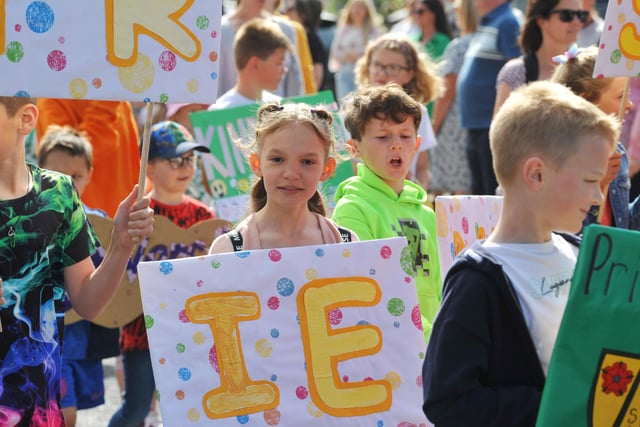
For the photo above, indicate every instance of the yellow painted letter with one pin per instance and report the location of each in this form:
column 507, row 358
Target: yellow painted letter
column 325, row 347
column 126, row 20
column 237, row 394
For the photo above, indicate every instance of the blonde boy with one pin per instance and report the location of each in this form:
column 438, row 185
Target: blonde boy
column 46, row 244
column 260, row 49
column 379, row 202
column 504, row 298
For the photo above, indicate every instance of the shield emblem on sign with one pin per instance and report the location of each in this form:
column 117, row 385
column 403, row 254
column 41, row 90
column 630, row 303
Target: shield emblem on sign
column 614, row 399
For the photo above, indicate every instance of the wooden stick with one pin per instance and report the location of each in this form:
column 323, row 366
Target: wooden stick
column 144, row 156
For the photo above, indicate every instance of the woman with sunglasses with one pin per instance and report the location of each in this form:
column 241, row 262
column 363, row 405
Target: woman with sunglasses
column 550, row 27
column 435, row 33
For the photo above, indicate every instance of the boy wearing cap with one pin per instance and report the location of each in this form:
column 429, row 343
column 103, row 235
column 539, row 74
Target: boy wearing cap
column 170, row 170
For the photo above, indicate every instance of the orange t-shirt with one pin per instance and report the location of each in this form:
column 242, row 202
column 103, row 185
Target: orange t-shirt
column 113, row 133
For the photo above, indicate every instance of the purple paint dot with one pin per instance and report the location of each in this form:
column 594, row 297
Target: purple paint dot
column 182, row 316
column 335, row 316
column 302, row 392
column 213, row 359
column 167, row 61
column 17, row 28
column 214, row 34
column 61, row 40
column 345, row 378
column 273, row 303
column 57, row 60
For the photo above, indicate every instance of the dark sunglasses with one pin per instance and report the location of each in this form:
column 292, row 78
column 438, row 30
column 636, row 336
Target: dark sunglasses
column 567, row 15
column 418, row 12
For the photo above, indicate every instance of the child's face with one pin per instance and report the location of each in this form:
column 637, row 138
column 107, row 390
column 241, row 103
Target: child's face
column 272, row 70
column 168, row 179
column 388, row 149
column 612, row 95
column 389, row 66
column 74, row 166
column 292, row 161
column 575, row 186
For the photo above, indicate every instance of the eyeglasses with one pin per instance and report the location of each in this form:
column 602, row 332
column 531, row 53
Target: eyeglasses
column 567, row 15
column 178, row 162
column 388, row 69
column 418, row 12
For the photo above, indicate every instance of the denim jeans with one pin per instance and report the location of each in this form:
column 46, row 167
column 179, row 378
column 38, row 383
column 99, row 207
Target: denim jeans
column 483, row 179
column 139, row 387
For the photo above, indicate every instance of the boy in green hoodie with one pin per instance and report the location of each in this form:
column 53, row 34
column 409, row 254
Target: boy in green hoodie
column 379, row 202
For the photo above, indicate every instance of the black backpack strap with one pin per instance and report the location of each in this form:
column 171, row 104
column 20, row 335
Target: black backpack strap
column 345, row 234
column 236, row 240
column 531, row 67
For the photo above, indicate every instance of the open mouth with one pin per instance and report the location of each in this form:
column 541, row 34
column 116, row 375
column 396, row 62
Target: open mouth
column 396, row 161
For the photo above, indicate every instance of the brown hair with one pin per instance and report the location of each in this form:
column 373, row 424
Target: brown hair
column 272, row 117
column 577, row 75
column 259, row 38
column 13, row 103
column 67, row 139
column 425, row 86
column 388, row 102
column 546, row 119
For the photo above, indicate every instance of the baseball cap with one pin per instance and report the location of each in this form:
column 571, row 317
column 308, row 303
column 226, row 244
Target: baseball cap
column 170, row 139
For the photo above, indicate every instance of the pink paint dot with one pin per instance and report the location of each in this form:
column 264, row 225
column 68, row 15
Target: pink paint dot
column 301, row 392
column 57, row 60
column 273, row 303
column 419, row 380
column 407, row 279
column 335, row 316
column 214, row 34
column 182, row 316
column 167, row 60
column 367, row 379
column 416, row 318
column 275, row 255
column 213, row 359
column 345, row 378
column 610, row 27
column 61, row 39
column 465, row 225
column 17, row 28
column 97, row 83
column 199, row 283
column 385, row 252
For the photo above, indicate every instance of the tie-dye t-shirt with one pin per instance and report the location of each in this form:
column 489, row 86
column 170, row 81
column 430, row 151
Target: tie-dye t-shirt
column 51, row 232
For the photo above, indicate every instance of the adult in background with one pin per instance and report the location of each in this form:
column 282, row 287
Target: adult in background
column 592, row 28
column 435, row 33
column 113, row 133
column 550, row 27
column 492, row 45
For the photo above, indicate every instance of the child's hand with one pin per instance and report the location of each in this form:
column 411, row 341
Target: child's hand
column 613, row 167
column 133, row 220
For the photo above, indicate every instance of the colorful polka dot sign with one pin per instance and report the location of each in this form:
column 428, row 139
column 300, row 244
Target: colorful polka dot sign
column 311, row 336
column 619, row 53
column 161, row 51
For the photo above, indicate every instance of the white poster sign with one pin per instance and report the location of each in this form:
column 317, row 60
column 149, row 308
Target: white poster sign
column 619, row 53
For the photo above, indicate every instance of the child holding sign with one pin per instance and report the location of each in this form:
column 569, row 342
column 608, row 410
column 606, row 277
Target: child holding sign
column 504, row 298
column 66, row 150
column 45, row 246
column 171, row 168
column 383, row 122
column 576, row 72
column 291, row 154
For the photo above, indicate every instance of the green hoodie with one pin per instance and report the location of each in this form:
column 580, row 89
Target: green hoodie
column 370, row 207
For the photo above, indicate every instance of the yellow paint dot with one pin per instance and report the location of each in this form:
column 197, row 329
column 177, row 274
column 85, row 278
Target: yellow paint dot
column 456, row 204
column 193, row 85
column 243, row 184
column 78, row 88
column 263, row 347
column 198, row 338
column 630, row 64
column 346, row 253
column 193, row 414
column 311, row 273
column 138, row 77
column 163, row 305
column 622, row 18
column 394, row 379
column 313, row 410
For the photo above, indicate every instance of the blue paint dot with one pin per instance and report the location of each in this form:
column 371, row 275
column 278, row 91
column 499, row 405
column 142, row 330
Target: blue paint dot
column 319, row 252
column 214, row 76
column 285, row 287
column 22, row 94
column 243, row 254
column 362, row 322
column 147, row 99
column 39, row 17
column 274, row 377
column 243, row 419
column 396, row 324
column 372, row 271
column 380, row 423
column 275, row 333
column 166, row 267
column 184, row 374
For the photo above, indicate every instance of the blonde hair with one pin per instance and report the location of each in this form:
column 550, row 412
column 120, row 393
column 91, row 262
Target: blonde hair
column 424, row 87
column 545, row 119
column 272, row 117
column 468, row 17
column 371, row 23
column 67, row 139
column 577, row 75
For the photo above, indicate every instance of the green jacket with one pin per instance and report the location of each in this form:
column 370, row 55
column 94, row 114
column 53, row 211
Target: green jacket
column 369, row 207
